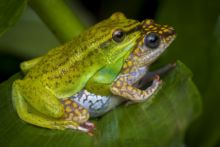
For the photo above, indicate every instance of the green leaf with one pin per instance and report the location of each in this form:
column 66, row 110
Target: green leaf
column 54, row 13
column 160, row 121
column 10, row 11
column 197, row 24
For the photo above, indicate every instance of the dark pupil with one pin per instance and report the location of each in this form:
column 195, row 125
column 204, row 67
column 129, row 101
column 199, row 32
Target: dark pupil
column 152, row 40
column 118, row 36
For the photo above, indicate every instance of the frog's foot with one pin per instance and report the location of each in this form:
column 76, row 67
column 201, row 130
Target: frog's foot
column 153, row 88
column 151, row 75
column 75, row 112
column 89, row 127
column 54, row 117
column 121, row 88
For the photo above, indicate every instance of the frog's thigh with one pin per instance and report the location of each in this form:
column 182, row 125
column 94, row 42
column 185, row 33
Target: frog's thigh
column 74, row 111
column 41, row 99
column 23, row 111
column 121, row 88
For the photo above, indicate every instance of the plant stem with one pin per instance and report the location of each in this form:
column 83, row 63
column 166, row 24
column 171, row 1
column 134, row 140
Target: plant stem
column 58, row 17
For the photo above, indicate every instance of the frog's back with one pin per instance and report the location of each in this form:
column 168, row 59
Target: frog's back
column 66, row 69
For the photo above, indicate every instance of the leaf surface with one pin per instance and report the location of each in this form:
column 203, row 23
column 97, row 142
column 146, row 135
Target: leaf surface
column 160, row 121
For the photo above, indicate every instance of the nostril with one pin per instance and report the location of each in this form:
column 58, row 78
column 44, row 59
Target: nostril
column 171, row 31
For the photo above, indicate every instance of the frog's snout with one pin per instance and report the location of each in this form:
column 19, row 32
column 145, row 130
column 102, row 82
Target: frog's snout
column 169, row 32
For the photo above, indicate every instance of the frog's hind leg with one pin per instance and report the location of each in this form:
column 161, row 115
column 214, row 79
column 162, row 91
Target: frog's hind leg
column 36, row 117
column 74, row 111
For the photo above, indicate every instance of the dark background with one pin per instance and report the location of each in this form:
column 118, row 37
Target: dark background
column 95, row 10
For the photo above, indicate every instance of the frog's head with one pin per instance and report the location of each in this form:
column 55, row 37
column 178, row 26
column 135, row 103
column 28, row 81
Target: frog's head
column 154, row 40
column 117, row 36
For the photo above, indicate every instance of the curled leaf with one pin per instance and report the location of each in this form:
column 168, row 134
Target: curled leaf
column 160, row 121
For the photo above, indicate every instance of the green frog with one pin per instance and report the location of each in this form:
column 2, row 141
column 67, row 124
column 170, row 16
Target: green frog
column 91, row 74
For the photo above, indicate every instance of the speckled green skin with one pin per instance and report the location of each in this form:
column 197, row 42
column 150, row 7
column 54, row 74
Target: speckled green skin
column 65, row 70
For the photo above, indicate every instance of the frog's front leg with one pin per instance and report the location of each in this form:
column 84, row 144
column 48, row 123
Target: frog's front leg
column 151, row 75
column 27, row 65
column 51, row 113
column 121, row 88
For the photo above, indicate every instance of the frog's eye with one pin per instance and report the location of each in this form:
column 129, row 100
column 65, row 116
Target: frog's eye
column 118, row 36
column 152, row 40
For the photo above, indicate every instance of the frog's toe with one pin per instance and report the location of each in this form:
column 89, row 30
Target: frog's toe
column 157, row 78
column 154, row 87
column 89, row 126
column 156, row 81
column 77, row 128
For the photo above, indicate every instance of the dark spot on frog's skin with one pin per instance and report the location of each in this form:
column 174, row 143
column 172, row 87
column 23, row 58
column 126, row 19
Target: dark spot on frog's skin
column 90, row 63
column 70, row 77
column 104, row 45
column 54, row 68
column 47, row 85
column 137, row 28
column 61, row 64
column 49, row 78
column 62, row 72
column 83, row 63
column 92, row 42
column 58, row 76
column 56, row 84
column 44, row 70
column 77, row 76
column 90, row 54
column 73, row 66
column 33, row 88
column 85, row 99
column 139, row 40
column 91, row 104
column 30, row 76
column 69, row 81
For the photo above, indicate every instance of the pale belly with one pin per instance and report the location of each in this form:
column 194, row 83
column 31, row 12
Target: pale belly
column 96, row 105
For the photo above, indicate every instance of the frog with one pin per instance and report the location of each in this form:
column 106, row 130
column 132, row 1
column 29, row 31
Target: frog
column 105, row 61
